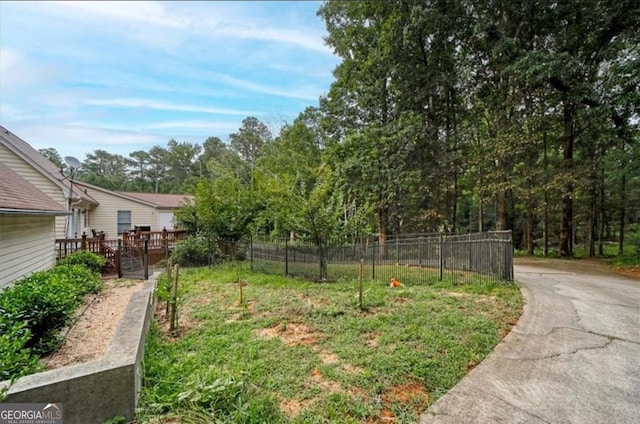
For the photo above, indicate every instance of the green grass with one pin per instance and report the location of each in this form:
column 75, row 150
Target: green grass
column 303, row 352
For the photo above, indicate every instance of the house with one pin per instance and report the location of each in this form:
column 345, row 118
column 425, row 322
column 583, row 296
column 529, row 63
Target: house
column 92, row 208
column 32, row 166
column 27, row 227
column 117, row 211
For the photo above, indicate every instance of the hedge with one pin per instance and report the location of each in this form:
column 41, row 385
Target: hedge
column 36, row 308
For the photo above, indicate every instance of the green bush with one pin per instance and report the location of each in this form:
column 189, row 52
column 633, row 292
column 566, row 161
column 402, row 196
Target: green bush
column 192, row 251
column 84, row 257
column 35, row 309
column 15, row 358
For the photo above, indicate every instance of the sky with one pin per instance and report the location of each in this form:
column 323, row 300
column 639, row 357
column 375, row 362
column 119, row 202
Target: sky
column 127, row 76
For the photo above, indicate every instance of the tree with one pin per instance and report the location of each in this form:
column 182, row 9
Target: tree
column 138, row 163
column 53, row 156
column 250, row 140
column 104, row 169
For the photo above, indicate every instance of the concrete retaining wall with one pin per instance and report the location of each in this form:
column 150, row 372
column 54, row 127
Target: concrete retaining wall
column 94, row 392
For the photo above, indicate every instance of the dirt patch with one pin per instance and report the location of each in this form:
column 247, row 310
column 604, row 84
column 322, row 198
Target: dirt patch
column 407, row 393
column 328, row 386
column 292, row 334
column 633, row 272
column 186, row 322
column 413, row 394
column 328, row 357
column 294, row 407
column 371, row 340
column 95, row 325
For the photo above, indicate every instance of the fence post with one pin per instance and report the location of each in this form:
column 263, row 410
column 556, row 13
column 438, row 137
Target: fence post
column 286, row 257
column 145, row 259
column 83, row 244
column 165, row 242
column 441, row 256
column 119, row 258
column 373, row 262
column 251, row 253
column 360, row 278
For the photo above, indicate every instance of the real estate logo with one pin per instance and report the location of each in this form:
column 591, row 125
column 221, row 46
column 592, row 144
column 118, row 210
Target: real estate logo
column 31, row 413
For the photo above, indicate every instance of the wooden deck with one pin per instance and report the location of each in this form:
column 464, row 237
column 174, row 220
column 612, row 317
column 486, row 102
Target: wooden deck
column 131, row 245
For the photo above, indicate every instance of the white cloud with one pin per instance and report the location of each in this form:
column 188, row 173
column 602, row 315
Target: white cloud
column 17, row 71
column 10, row 112
column 149, row 12
column 210, row 20
column 159, row 105
column 77, row 140
column 297, row 93
column 196, row 125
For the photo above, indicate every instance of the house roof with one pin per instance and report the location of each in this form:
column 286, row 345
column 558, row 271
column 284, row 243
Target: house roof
column 41, row 163
column 18, row 196
column 155, row 200
column 162, row 201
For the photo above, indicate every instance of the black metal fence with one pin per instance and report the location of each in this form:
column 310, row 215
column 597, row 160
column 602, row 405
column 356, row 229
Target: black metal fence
column 415, row 258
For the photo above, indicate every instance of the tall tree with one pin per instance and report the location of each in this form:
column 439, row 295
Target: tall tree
column 250, row 140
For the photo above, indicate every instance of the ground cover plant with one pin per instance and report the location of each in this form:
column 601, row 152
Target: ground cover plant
column 300, row 352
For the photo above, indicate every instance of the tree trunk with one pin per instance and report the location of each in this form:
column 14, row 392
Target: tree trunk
column 623, row 211
column 383, row 228
column 545, row 224
column 480, row 215
column 566, row 222
column 530, row 223
column 501, row 211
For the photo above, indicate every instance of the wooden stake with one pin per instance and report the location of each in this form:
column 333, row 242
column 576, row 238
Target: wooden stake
column 168, row 286
column 173, row 320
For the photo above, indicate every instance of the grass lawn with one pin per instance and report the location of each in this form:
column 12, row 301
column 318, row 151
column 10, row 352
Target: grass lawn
column 300, row 352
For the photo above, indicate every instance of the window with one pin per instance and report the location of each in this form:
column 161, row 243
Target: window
column 124, row 221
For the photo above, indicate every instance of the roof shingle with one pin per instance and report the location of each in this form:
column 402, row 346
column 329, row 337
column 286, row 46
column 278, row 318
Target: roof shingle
column 19, row 195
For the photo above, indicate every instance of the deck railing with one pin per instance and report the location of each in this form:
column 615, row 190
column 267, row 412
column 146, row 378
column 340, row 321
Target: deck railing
column 159, row 242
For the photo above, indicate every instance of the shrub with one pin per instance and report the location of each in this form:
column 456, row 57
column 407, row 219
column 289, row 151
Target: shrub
column 35, row 309
column 83, row 257
column 15, row 358
column 192, row 251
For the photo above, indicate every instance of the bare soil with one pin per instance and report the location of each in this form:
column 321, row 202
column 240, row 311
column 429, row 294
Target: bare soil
column 94, row 325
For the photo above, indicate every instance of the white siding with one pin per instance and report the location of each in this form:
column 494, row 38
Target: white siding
column 35, row 177
column 105, row 216
column 166, row 220
column 26, row 246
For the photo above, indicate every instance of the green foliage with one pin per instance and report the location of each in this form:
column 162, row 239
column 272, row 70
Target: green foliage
column 36, row 308
column 193, row 251
column 86, row 258
column 15, row 357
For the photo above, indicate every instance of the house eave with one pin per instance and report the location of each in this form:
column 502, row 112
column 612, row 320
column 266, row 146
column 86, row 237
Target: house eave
column 9, row 211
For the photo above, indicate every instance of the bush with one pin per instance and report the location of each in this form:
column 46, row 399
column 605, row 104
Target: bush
column 15, row 358
column 192, row 251
column 35, row 309
column 88, row 259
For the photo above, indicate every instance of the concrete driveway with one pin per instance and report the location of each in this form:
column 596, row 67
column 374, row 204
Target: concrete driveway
column 573, row 357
